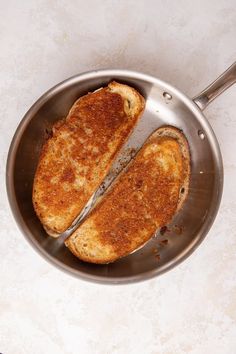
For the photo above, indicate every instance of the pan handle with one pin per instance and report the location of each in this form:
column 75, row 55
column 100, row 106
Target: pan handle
column 223, row 82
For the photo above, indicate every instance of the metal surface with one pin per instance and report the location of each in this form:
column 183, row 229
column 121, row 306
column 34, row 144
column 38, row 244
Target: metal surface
column 164, row 105
column 227, row 79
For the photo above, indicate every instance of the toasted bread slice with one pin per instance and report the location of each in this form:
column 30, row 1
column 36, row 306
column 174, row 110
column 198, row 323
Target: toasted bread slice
column 75, row 160
column 142, row 199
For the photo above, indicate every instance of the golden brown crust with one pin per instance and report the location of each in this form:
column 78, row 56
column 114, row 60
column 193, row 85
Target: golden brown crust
column 142, row 199
column 75, row 160
column 171, row 131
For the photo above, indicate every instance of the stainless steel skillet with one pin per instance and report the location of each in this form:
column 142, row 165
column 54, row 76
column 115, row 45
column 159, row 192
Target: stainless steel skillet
column 164, row 105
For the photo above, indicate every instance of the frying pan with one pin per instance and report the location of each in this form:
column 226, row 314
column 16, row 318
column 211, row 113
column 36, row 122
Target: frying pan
column 165, row 105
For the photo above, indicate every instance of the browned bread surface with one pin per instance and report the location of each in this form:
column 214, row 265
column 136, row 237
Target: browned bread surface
column 75, row 160
column 141, row 200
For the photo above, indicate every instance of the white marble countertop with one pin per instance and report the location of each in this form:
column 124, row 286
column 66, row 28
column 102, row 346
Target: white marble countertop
column 191, row 309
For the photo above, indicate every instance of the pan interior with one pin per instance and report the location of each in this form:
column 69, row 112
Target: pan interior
column 164, row 105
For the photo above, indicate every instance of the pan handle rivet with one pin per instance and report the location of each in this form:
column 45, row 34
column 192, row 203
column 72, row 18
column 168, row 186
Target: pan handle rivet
column 167, row 95
column 201, row 135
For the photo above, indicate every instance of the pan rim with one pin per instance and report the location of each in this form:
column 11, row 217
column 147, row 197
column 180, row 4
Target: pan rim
column 10, row 176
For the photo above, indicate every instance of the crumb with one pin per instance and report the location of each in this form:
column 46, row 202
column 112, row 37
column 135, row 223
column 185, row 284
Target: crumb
column 132, row 152
column 164, row 242
column 158, row 257
column 163, row 230
column 102, row 186
column 48, row 133
column 156, row 253
column 178, row 230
